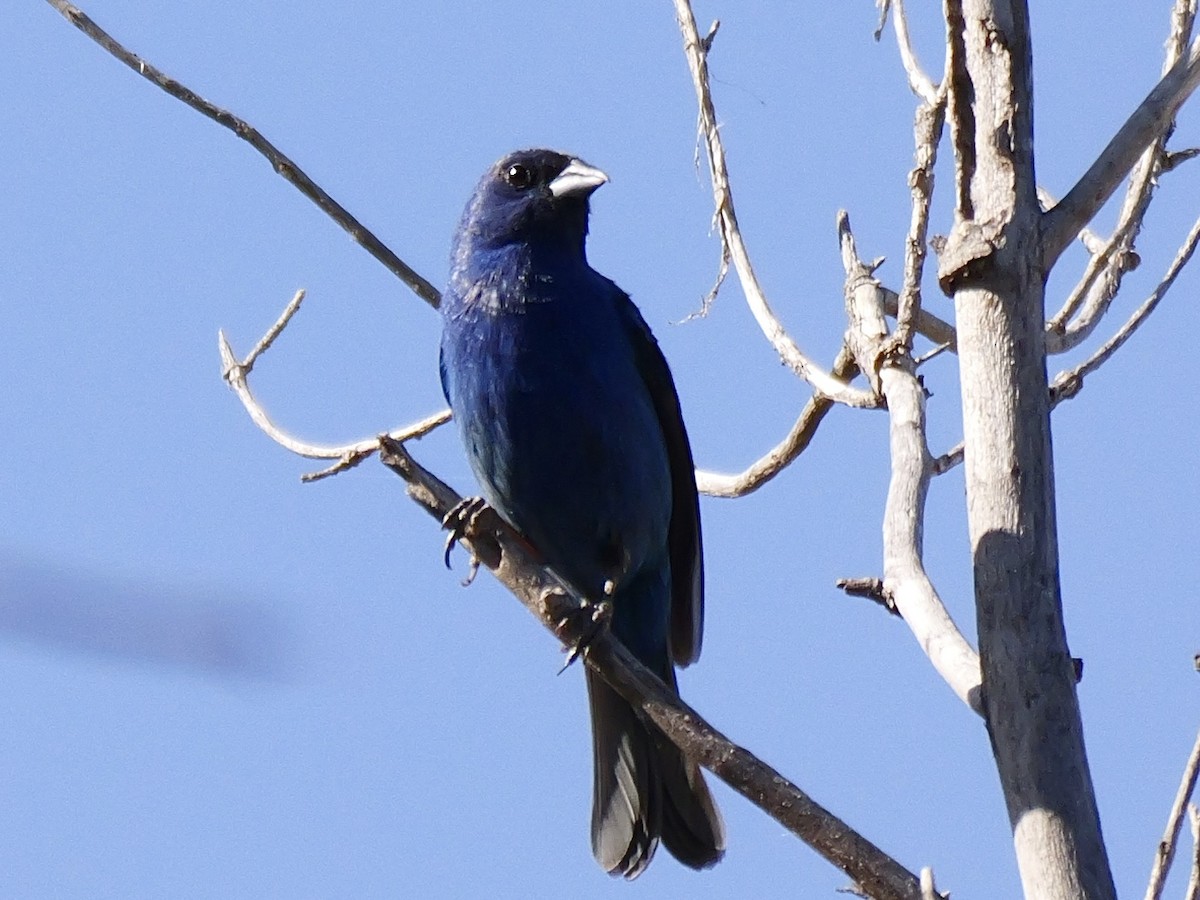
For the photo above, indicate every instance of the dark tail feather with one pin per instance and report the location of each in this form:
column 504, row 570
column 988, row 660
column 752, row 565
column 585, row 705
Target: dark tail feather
column 644, row 789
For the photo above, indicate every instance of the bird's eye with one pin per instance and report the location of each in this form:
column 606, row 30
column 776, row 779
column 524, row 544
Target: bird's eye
column 520, row 177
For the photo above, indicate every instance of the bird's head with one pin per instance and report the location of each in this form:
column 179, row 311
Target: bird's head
column 532, row 196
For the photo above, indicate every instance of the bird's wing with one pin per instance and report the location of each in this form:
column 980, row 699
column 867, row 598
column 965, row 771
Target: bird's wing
column 686, row 553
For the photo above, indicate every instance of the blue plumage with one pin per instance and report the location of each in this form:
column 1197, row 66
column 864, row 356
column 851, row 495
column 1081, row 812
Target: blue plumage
column 571, row 423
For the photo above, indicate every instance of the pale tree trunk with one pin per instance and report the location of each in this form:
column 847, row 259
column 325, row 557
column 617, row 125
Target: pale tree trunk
column 991, row 265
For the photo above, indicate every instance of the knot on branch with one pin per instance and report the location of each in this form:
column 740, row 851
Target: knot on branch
column 968, row 254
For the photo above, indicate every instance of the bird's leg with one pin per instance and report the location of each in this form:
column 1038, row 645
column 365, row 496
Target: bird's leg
column 579, row 621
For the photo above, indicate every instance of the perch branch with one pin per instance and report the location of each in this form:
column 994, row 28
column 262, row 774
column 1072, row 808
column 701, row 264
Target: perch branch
column 696, row 50
column 1165, row 852
column 573, row 621
column 282, row 165
column 1151, row 119
column 906, row 585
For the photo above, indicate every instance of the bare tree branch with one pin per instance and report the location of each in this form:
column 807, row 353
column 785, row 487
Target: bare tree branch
column 930, row 119
column 282, row 165
column 716, row 484
column 1094, row 294
column 926, row 323
column 918, row 81
column 1165, row 852
column 1151, row 119
column 577, row 623
column 235, row 373
column 1091, row 241
column 906, row 585
column 1067, row 384
column 1193, row 886
column 696, row 51
column 948, row 460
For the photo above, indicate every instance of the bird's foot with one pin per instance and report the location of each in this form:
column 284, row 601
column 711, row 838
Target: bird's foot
column 470, row 518
column 579, row 622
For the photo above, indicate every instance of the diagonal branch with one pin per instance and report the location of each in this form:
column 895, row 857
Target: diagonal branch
column 1193, row 885
column 574, row 622
column 1165, row 853
column 696, row 49
column 1091, row 241
column 282, row 165
column 1151, row 118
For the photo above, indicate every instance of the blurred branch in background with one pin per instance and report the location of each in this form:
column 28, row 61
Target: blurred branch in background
column 203, row 628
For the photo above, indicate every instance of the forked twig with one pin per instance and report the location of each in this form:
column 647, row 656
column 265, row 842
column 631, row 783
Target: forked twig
column 235, row 373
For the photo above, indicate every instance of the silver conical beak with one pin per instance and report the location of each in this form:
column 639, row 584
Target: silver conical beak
column 577, row 178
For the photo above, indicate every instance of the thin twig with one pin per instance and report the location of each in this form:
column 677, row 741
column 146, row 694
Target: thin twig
column 906, row 584
column 279, row 162
column 235, row 373
column 779, row 457
column 696, row 51
column 918, row 81
column 1092, row 295
column 1067, row 384
column 1193, row 886
column 1165, row 852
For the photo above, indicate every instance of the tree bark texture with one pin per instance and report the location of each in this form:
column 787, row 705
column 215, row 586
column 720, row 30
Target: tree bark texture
column 991, row 266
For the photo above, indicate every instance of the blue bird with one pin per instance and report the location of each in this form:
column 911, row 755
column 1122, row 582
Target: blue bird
column 572, row 426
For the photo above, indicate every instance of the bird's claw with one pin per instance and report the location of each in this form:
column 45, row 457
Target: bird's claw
column 465, row 520
column 584, row 618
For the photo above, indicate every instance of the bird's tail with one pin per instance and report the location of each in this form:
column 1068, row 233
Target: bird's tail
column 644, row 790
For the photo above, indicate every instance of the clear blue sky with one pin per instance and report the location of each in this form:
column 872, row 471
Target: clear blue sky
column 218, row 682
